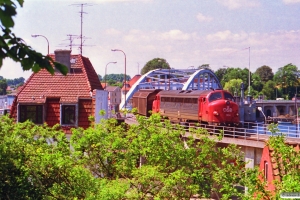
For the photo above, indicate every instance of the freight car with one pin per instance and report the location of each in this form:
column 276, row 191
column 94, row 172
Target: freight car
column 214, row 107
column 143, row 99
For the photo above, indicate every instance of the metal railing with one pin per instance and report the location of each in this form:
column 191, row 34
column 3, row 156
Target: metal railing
column 250, row 131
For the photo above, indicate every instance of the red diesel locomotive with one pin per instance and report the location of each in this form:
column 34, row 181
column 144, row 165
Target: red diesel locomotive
column 214, row 107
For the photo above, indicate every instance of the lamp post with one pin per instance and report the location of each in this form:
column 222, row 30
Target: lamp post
column 106, row 71
column 260, row 109
column 249, row 74
column 124, row 75
column 43, row 37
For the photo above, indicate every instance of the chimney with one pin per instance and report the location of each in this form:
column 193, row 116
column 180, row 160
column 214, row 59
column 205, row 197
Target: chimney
column 63, row 57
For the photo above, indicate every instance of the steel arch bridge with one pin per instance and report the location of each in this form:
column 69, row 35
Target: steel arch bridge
column 175, row 79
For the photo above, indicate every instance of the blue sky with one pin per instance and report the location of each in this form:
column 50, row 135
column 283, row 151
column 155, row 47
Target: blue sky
column 184, row 32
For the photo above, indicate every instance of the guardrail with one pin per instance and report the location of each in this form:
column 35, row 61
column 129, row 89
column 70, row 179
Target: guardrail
column 251, row 131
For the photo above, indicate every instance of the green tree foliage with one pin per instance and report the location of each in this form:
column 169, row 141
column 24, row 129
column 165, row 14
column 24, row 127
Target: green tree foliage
column 287, row 78
column 269, row 90
column 156, row 63
column 13, row 47
column 236, row 73
column 3, row 86
column 265, row 73
column 220, row 73
column 204, row 66
column 150, row 160
column 36, row 163
column 115, row 79
column 233, row 86
column 15, row 81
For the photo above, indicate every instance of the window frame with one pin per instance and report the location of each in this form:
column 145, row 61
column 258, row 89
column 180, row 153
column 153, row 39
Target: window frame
column 40, row 117
column 63, row 113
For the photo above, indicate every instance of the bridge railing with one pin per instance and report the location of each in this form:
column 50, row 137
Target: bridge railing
column 251, row 131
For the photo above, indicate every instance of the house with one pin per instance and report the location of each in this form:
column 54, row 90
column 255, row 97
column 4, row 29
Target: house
column 6, row 103
column 58, row 99
column 114, row 98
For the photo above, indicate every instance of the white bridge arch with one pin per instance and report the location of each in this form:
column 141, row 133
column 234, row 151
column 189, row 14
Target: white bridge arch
column 175, row 79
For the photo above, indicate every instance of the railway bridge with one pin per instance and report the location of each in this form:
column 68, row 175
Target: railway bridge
column 175, row 79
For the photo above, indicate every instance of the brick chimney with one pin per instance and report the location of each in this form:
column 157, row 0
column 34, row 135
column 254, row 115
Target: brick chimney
column 63, row 57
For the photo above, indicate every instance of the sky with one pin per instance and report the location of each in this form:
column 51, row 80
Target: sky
column 221, row 33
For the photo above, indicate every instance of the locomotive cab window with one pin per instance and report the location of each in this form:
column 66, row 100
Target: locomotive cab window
column 215, row 96
column 228, row 96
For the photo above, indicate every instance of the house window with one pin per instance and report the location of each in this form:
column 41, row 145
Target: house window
column 266, row 171
column 68, row 114
column 33, row 113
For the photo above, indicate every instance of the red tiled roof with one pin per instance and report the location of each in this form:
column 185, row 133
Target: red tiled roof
column 81, row 80
column 131, row 82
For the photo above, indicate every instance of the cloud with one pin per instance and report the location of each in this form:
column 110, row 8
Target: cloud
column 291, row 1
column 202, row 18
column 235, row 4
column 227, row 35
column 175, row 35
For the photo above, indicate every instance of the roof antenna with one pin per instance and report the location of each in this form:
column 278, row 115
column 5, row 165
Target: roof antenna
column 81, row 16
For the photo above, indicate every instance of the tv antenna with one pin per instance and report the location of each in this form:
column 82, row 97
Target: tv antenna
column 81, row 17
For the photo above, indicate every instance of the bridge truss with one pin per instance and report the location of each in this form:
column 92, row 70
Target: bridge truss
column 175, row 79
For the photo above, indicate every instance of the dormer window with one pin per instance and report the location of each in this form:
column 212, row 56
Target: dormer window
column 69, row 114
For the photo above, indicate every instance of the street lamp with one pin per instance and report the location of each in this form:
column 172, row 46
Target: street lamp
column 249, row 74
column 106, row 71
column 43, row 37
column 260, row 109
column 124, row 74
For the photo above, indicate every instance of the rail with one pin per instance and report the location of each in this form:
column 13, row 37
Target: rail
column 250, row 131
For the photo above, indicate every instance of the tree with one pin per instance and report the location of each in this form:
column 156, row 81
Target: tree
column 269, row 90
column 204, row 66
column 220, row 73
column 233, row 86
column 156, row 63
column 36, row 163
column 287, row 78
column 16, row 81
column 236, row 73
column 13, row 47
column 265, row 73
column 3, row 86
column 150, row 160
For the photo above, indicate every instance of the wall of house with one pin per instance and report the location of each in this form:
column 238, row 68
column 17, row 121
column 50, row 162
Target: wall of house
column 52, row 111
column 85, row 109
column 268, row 175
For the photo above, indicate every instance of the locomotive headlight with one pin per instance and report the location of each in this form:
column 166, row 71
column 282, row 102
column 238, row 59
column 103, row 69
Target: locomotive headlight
column 216, row 113
column 237, row 114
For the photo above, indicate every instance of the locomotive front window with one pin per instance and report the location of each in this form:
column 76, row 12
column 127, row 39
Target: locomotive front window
column 228, row 96
column 215, row 96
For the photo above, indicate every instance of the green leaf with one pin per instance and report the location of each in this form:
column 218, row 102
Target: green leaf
column 36, row 68
column 62, row 68
column 6, row 16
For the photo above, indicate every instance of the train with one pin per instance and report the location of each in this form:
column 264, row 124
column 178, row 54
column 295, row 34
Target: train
column 213, row 107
